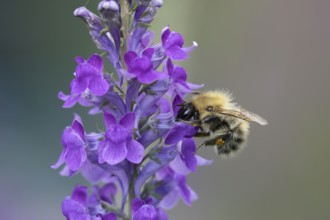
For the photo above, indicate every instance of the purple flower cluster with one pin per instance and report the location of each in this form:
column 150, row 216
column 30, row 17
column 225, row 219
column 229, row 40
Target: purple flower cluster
column 141, row 151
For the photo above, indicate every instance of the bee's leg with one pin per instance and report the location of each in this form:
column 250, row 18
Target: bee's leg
column 202, row 134
column 217, row 141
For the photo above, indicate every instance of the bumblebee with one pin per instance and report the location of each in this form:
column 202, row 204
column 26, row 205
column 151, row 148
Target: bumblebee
column 223, row 122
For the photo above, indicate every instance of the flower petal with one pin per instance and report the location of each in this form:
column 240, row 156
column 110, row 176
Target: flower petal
column 178, row 132
column 128, row 121
column 78, row 127
column 79, row 194
column 129, row 57
column 98, row 86
column 170, row 67
column 96, row 61
column 76, row 153
column 107, row 192
column 179, row 165
column 114, row 153
column 92, row 173
column 62, row 96
column 109, row 120
column 179, row 73
column 148, row 52
column 60, row 160
column 176, row 53
column 175, row 38
column 146, row 212
column 77, row 86
column 109, row 216
column 170, row 200
column 201, row 161
column 118, row 134
column 165, row 33
column 79, row 60
column 188, row 149
column 71, row 101
column 135, row 151
column 151, row 76
column 136, row 204
column 186, row 193
column 147, row 39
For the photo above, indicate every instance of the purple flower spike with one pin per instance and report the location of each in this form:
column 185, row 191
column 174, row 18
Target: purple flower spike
column 75, row 207
column 73, row 141
column 141, row 67
column 172, row 43
column 119, row 143
column 144, row 155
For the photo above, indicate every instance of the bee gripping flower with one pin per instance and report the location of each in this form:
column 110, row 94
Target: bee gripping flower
column 141, row 152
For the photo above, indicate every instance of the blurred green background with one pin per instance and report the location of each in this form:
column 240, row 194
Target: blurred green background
column 274, row 55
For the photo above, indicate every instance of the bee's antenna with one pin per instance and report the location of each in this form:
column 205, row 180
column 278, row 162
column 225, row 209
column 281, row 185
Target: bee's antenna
column 196, row 92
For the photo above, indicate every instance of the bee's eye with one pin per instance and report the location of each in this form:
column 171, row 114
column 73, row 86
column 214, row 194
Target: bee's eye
column 210, row 109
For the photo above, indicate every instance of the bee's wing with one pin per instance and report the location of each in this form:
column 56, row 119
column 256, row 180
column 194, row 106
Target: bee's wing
column 244, row 114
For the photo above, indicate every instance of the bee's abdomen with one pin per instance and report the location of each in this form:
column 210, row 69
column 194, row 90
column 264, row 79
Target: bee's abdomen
column 233, row 141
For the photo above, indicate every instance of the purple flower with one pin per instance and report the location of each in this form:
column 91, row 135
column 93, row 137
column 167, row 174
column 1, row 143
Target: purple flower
column 89, row 75
column 161, row 160
column 178, row 188
column 75, row 207
column 79, row 206
column 88, row 79
column 172, row 43
column 73, row 141
column 140, row 39
column 108, row 192
column 179, row 84
column 145, row 210
column 141, row 67
column 104, row 41
column 119, row 143
column 187, row 160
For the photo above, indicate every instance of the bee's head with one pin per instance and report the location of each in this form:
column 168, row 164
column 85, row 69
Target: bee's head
column 187, row 112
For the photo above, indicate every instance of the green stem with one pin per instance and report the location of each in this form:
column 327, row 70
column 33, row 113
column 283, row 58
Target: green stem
column 131, row 194
column 124, row 29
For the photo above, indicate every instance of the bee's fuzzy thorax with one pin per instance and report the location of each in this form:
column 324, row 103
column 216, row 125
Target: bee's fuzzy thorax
column 217, row 98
